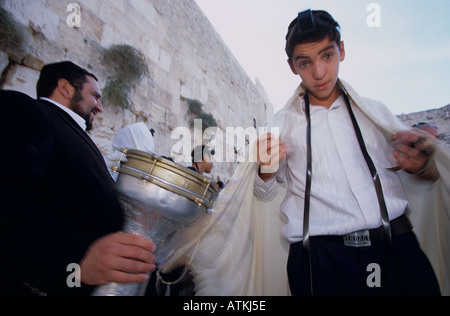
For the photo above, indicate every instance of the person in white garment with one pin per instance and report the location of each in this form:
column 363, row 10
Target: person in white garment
column 346, row 208
column 135, row 136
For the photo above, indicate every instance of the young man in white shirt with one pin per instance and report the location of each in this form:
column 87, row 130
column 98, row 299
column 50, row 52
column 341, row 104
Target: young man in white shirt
column 345, row 204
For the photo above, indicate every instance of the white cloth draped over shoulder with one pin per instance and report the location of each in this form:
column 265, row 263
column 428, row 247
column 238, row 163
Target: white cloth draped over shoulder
column 239, row 251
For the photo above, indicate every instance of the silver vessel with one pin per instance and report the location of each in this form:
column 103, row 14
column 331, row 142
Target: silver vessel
column 158, row 197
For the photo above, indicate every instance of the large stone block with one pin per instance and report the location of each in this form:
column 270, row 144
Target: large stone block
column 21, row 79
column 36, row 15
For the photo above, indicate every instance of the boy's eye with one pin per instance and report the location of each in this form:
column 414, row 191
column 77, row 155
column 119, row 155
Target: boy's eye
column 303, row 65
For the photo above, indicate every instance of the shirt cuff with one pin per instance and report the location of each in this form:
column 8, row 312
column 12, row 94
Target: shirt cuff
column 265, row 191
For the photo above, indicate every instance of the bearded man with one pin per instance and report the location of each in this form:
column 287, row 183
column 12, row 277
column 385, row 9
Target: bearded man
column 61, row 206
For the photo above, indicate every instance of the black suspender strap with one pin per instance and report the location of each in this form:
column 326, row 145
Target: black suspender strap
column 373, row 171
column 306, row 235
column 379, row 189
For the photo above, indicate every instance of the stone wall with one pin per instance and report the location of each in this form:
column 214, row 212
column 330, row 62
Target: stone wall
column 185, row 55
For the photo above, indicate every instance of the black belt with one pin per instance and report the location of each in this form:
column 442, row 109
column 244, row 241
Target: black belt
column 366, row 238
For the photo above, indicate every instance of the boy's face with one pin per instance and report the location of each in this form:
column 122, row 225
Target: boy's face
column 318, row 66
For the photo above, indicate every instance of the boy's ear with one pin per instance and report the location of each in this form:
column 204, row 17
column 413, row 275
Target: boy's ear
column 342, row 51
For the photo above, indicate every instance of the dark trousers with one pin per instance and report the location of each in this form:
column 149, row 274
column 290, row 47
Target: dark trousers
column 402, row 269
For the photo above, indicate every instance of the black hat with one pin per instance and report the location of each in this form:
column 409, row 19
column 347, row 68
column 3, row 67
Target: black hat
column 311, row 26
column 306, row 22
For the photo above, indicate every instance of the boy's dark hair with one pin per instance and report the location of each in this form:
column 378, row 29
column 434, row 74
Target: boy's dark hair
column 52, row 73
column 322, row 26
column 199, row 153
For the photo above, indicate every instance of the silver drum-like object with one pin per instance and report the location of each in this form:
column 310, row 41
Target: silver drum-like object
column 158, row 197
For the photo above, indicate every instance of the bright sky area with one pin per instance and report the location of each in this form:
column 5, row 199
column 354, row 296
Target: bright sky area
column 397, row 52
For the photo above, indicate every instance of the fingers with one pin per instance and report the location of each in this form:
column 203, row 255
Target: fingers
column 130, row 247
column 406, row 136
column 121, row 258
column 265, row 137
column 413, row 150
column 136, row 241
column 271, row 150
column 410, row 160
column 274, row 152
column 417, row 138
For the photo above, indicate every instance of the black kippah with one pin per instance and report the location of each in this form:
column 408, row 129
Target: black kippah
column 306, row 22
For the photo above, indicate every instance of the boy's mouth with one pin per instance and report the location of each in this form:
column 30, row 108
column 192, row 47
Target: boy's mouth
column 322, row 86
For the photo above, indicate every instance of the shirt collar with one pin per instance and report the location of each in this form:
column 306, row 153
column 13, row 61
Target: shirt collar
column 78, row 119
column 337, row 104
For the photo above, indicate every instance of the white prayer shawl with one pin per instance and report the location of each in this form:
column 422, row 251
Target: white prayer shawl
column 239, row 249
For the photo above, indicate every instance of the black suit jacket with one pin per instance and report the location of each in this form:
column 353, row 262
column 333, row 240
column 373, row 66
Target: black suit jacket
column 57, row 197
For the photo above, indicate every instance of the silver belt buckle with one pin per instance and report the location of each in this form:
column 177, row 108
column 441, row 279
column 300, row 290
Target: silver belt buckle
column 358, row 240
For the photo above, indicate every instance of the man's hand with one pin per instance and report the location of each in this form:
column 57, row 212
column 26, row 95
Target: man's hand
column 414, row 151
column 120, row 258
column 271, row 151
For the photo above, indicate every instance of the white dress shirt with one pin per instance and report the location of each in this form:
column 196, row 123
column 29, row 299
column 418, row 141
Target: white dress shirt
column 78, row 119
column 343, row 195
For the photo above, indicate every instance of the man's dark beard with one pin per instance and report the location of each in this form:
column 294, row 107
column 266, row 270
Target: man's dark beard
column 74, row 106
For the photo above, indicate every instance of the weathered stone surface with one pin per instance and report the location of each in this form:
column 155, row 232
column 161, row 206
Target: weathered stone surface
column 21, row 79
column 4, row 62
column 185, row 56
